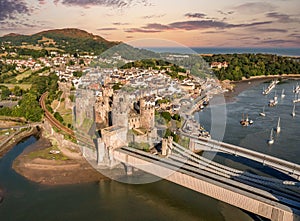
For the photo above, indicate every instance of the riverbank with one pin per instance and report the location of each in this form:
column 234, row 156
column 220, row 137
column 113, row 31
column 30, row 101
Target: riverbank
column 53, row 170
column 237, row 87
column 17, row 137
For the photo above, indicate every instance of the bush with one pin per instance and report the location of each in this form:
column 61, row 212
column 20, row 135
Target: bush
column 58, row 117
column 166, row 115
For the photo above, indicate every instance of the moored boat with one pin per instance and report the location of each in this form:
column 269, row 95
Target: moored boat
column 271, row 139
column 296, row 89
column 278, row 128
column 246, row 122
column 296, row 99
column 273, row 102
column 282, row 93
column 294, row 111
column 270, row 87
column 263, row 114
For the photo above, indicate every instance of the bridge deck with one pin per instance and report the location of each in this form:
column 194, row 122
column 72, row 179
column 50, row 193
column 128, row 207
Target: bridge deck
column 289, row 168
column 228, row 190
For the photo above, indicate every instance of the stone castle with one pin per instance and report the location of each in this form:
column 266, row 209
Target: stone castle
column 122, row 119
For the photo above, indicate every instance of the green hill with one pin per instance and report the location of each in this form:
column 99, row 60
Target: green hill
column 70, row 40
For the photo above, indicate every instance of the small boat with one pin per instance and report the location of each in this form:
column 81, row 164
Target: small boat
column 294, row 112
column 246, row 122
column 296, row 89
column 282, row 94
column 263, row 114
column 243, row 122
column 296, row 100
column 278, row 128
column 270, row 87
column 274, row 101
column 271, row 139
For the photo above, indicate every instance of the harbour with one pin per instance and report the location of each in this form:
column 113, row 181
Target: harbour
column 286, row 143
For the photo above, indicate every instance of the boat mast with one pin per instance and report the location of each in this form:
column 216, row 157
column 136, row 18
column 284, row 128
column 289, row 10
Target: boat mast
column 271, row 135
column 294, row 113
column 278, row 128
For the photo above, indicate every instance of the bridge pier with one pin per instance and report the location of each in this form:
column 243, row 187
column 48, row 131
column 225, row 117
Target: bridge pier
column 105, row 155
column 129, row 169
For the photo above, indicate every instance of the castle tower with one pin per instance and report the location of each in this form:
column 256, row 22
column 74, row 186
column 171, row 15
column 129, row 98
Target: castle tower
column 147, row 113
column 120, row 110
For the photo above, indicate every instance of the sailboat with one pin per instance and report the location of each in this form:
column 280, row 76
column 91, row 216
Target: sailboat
column 278, row 128
column 296, row 89
column 296, row 99
column 282, row 94
column 271, row 139
column 294, row 112
column 274, row 101
column 248, row 120
column 244, row 122
column 263, row 114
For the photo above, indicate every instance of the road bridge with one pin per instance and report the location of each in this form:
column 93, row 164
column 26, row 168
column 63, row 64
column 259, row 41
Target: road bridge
column 199, row 143
column 267, row 197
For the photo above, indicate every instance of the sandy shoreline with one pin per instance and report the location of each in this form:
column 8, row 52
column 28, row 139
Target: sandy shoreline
column 54, row 172
column 245, row 84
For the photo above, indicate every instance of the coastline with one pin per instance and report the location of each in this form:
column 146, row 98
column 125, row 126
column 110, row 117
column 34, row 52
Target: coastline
column 244, row 84
column 53, row 172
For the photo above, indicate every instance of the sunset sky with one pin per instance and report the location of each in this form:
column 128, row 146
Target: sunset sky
column 203, row 23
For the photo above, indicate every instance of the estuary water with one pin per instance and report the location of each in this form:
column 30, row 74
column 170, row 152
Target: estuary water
column 224, row 50
column 110, row 200
column 104, row 200
column 254, row 137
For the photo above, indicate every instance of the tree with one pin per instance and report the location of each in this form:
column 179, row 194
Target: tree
column 166, row 115
column 29, row 108
column 5, row 92
column 17, row 91
column 58, row 117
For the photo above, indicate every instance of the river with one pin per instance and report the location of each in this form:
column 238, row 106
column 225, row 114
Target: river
column 254, row 137
column 110, row 200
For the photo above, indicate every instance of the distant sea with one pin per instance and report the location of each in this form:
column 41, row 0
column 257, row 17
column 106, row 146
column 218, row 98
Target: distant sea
column 215, row 50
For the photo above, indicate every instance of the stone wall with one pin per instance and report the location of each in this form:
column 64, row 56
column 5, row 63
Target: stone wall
column 114, row 136
column 67, row 147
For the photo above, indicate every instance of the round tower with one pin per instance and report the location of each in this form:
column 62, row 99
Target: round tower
column 147, row 113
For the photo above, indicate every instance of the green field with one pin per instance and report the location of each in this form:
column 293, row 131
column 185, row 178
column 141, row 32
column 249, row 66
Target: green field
column 25, row 74
column 23, row 86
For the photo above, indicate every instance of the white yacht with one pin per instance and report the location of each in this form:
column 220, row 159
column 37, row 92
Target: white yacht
column 274, row 101
column 263, row 114
column 271, row 139
column 296, row 89
column 296, row 99
column 294, row 111
column 282, row 94
column 278, row 128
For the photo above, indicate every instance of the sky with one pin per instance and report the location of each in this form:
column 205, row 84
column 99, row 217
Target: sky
column 192, row 23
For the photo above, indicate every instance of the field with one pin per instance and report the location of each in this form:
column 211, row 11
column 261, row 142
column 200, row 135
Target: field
column 63, row 111
column 23, row 86
column 25, row 74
